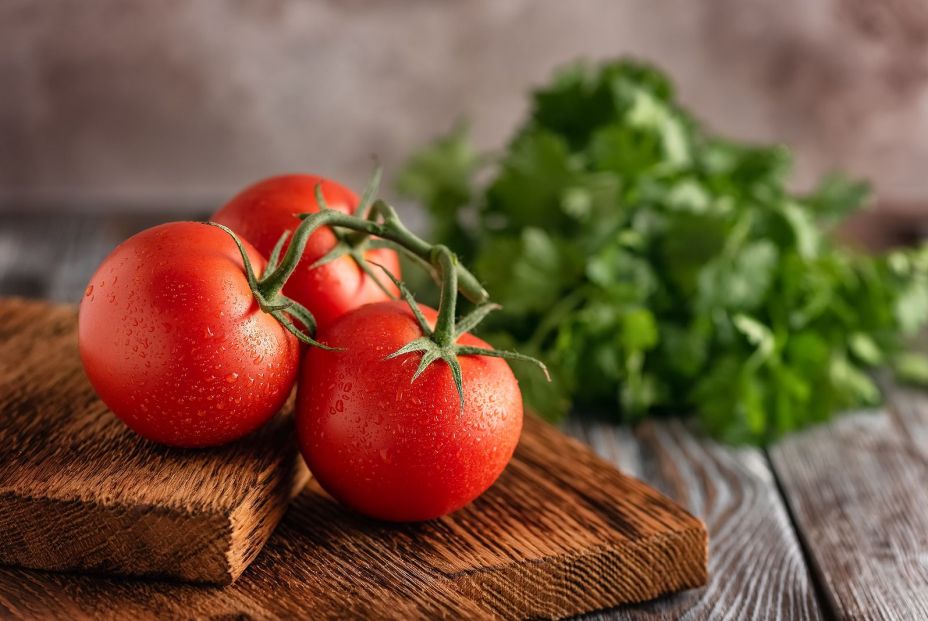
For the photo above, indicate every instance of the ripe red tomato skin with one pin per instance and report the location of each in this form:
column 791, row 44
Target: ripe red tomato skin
column 396, row 450
column 263, row 211
column 175, row 345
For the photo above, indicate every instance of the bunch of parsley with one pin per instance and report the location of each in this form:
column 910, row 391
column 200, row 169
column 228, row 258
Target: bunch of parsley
column 658, row 268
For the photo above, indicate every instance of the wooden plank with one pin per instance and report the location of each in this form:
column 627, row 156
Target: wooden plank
column 80, row 491
column 858, row 490
column 756, row 568
column 561, row 532
column 30, row 251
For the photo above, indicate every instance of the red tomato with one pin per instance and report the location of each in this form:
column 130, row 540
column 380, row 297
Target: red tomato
column 174, row 343
column 264, row 211
column 396, row 450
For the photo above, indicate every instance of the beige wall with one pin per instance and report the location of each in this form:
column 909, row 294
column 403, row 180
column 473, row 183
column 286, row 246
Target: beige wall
column 169, row 104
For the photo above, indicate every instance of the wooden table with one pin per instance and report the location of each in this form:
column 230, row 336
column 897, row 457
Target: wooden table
column 829, row 523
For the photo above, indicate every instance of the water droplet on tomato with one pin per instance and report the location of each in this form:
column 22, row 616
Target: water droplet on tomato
column 339, row 406
column 88, row 291
column 231, row 378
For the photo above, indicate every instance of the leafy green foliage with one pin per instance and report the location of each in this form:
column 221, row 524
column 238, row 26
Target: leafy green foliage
column 657, row 268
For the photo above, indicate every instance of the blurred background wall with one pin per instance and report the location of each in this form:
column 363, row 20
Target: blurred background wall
column 172, row 105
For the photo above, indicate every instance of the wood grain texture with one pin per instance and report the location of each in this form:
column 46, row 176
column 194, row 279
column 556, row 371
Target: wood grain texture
column 756, row 567
column 78, row 490
column 562, row 532
column 858, row 489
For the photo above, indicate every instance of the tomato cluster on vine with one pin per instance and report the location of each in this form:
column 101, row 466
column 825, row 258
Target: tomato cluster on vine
column 195, row 333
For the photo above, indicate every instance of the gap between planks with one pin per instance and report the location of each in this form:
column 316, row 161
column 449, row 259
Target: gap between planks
column 822, row 594
column 856, row 490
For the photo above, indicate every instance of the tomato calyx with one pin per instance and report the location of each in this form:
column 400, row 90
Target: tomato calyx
column 354, row 247
column 354, row 244
column 267, row 289
column 381, row 227
column 440, row 343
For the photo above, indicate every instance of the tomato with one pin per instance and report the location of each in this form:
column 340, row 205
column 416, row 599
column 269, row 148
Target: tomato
column 394, row 449
column 264, row 211
column 174, row 342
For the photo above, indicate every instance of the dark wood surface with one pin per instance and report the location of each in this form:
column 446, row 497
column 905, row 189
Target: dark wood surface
column 562, row 532
column 79, row 491
column 784, row 524
column 859, row 491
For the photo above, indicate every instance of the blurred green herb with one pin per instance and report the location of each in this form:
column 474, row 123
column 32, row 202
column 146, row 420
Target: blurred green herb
column 658, row 268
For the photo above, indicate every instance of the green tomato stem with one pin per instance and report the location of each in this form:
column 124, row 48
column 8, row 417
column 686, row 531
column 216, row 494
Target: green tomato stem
column 394, row 230
column 390, row 228
column 272, row 283
column 276, row 305
column 444, row 333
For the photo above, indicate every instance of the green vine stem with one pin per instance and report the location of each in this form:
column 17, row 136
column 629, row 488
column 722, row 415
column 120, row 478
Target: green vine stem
column 444, row 333
column 383, row 222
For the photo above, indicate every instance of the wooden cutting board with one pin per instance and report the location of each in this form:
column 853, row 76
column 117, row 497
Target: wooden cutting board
column 561, row 532
column 78, row 490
